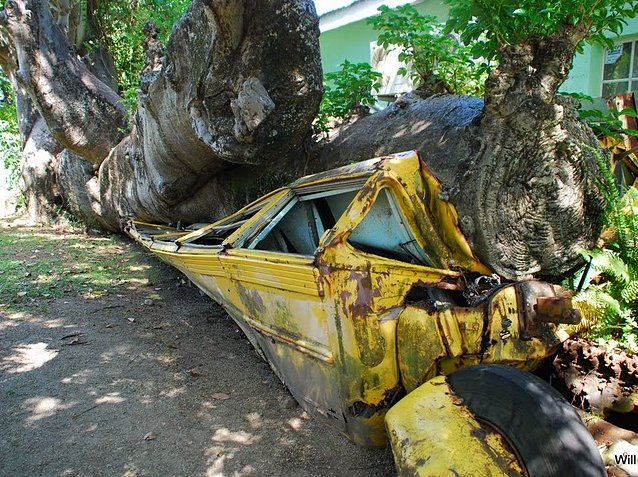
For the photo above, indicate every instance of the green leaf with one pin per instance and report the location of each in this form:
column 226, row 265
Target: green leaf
column 433, row 58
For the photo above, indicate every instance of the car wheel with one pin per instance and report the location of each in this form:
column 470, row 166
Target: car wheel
column 544, row 430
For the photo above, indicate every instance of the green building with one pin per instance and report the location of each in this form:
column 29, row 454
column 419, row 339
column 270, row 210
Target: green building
column 597, row 72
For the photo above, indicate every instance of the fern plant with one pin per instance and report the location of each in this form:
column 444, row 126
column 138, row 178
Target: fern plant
column 612, row 288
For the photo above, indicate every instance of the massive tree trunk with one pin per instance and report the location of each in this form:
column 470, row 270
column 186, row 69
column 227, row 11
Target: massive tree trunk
column 520, row 166
column 40, row 162
column 227, row 107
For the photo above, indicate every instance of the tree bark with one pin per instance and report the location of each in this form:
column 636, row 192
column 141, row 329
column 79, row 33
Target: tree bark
column 225, row 110
column 65, row 93
column 39, row 175
column 237, row 87
column 520, row 167
column 39, row 156
column 44, row 199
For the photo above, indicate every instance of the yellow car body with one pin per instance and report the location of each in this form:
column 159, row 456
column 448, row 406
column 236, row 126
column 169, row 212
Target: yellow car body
column 357, row 286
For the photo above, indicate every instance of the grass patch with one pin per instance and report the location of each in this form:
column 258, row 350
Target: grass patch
column 37, row 266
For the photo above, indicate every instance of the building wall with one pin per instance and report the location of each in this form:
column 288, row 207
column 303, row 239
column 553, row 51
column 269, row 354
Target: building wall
column 352, row 42
column 587, row 70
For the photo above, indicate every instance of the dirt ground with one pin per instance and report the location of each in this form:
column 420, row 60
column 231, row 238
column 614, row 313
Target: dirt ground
column 112, row 364
column 147, row 378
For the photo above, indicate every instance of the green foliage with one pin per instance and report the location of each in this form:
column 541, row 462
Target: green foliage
column 493, row 24
column 608, row 123
column 436, row 59
column 614, row 295
column 346, row 90
column 604, row 123
column 10, row 142
column 121, row 22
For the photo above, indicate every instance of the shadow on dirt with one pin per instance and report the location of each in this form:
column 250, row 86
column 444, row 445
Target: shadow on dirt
column 152, row 379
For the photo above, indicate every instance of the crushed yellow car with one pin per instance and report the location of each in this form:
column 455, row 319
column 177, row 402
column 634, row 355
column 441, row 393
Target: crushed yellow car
column 360, row 290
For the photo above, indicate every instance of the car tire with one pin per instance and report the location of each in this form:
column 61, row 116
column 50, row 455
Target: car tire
column 545, row 431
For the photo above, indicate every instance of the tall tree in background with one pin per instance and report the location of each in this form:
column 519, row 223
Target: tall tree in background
column 228, row 105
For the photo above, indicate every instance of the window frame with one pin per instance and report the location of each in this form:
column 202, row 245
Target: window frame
column 387, row 188
column 260, row 229
column 632, row 78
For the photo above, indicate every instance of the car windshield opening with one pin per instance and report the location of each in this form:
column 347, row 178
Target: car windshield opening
column 384, row 232
column 299, row 226
column 217, row 234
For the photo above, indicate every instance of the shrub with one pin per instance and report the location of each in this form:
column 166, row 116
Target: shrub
column 436, row 59
column 346, row 90
column 611, row 291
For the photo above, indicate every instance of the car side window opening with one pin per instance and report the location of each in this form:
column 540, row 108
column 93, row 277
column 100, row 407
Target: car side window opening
column 384, row 232
column 216, row 235
column 299, row 226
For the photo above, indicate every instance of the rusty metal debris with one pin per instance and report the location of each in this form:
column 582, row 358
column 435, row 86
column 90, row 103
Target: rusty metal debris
column 600, row 380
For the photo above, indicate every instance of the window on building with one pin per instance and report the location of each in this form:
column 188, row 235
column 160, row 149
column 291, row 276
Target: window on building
column 386, row 62
column 620, row 71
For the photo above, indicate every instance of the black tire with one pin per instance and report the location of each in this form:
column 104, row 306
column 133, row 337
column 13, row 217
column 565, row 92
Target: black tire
column 545, row 430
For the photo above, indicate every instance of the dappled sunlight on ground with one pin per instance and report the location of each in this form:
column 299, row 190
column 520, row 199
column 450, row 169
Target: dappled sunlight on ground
column 166, row 358
column 56, row 323
column 27, row 357
column 43, row 407
column 44, row 279
column 219, row 455
column 17, row 316
column 149, row 378
column 110, row 398
column 171, row 393
column 217, row 469
column 138, row 268
column 136, row 281
column 295, row 423
column 118, row 351
column 5, row 325
column 11, row 320
column 77, row 378
column 236, row 437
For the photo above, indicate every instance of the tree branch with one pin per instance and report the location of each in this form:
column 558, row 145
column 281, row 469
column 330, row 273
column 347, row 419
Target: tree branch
column 531, row 72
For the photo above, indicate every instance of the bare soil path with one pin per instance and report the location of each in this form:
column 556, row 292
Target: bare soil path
column 111, row 365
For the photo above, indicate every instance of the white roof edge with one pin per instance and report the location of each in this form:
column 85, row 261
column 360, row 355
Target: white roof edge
column 356, row 11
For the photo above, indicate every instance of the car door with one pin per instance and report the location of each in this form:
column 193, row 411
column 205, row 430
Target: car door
column 277, row 294
column 370, row 261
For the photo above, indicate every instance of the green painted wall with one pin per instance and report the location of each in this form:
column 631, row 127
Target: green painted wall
column 587, row 70
column 352, row 42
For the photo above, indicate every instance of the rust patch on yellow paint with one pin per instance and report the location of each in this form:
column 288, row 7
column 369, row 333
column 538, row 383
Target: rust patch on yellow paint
column 366, row 410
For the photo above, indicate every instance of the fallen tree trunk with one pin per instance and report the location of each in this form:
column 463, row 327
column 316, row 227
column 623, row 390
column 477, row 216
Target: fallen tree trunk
column 225, row 111
column 525, row 209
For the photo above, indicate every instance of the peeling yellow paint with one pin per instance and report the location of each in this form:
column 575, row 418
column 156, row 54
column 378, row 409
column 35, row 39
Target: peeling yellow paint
column 433, row 434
